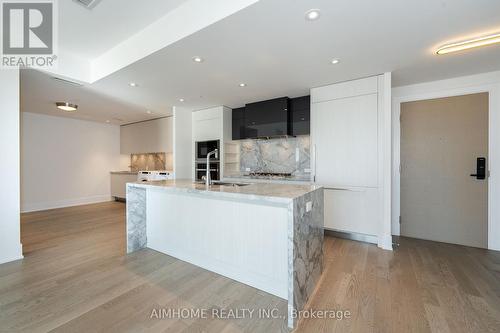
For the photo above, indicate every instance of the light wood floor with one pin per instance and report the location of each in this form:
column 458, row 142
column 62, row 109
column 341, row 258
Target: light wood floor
column 76, row 278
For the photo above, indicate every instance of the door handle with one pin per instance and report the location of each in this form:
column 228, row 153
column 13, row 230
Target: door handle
column 480, row 168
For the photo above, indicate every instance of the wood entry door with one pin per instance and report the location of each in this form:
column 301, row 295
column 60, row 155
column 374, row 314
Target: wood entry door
column 441, row 140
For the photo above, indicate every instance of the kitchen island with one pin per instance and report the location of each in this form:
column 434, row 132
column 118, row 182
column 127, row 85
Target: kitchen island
column 268, row 236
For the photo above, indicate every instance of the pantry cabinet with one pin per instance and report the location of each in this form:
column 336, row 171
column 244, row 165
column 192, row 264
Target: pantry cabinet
column 345, row 147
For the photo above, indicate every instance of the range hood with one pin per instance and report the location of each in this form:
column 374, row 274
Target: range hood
column 267, row 119
column 274, row 118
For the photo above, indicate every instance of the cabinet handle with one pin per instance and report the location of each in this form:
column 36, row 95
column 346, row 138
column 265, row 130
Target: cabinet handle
column 314, row 162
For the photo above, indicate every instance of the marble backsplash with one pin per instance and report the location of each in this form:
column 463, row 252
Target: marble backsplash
column 276, row 155
column 154, row 161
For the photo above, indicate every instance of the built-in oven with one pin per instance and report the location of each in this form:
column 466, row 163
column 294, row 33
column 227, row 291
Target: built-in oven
column 201, row 170
column 205, row 147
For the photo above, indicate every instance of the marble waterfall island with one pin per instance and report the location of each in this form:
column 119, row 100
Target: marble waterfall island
column 268, row 236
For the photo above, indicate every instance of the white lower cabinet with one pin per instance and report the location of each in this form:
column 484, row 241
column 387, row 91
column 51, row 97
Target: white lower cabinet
column 119, row 184
column 352, row 210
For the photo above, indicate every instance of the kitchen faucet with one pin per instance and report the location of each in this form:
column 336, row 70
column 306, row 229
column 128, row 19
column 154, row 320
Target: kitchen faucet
column 208, row 178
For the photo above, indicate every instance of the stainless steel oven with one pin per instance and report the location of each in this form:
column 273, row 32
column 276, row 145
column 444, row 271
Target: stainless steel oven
column 201, row 170
column 205, row 147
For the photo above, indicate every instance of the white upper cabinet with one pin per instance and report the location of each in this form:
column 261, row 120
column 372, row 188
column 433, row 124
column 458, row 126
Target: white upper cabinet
column 345, row 138
column 152, row 136
column 353, row 88
column 207, row 124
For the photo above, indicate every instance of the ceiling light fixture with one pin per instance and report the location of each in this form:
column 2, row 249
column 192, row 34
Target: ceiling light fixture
column 65, row 106
column 242, row 85
column 133, row 84
column 148, row 112
column 335, row 61
column 107, row 121
column 313, row 14
column 469, row 44
column 198, row 59
column 181, row 100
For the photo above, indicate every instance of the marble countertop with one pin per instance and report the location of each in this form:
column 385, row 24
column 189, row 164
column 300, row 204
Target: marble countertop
column 280, row 193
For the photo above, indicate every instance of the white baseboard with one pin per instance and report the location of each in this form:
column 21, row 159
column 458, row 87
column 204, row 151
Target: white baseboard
column 385, row 242
column 38, row 206
column 7, row 255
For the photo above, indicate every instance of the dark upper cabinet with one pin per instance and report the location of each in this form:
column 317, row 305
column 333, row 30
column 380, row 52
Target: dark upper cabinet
column 275, row 117
column 300, row 115
column 239, row 124
column 267, row 119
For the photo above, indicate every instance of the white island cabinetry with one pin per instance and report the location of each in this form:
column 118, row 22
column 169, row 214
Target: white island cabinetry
column 269, row 236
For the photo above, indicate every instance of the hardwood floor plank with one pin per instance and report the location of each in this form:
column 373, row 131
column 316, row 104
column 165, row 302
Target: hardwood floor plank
column 76, row 277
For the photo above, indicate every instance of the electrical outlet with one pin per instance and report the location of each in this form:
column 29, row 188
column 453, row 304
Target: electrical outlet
column 247, row 169
column 309, row 206
column 307, row 170
column 297, row 155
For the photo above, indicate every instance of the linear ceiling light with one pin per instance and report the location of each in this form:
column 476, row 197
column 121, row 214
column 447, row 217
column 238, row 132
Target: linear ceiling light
column 469, row 44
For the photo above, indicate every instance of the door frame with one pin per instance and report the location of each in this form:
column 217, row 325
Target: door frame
column 489, row 83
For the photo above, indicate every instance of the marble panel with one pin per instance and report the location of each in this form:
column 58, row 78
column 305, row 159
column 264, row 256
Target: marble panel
column 136, row 218
column 305, row 253
column 276, row 155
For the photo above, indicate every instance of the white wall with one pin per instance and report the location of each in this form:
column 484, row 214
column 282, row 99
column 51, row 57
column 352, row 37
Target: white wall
column 487, row 82
column 10, row 236
column 183, row 154
column 66, row 162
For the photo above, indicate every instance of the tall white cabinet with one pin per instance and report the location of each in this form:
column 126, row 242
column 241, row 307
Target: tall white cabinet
column 347, row 142
column 213, row 124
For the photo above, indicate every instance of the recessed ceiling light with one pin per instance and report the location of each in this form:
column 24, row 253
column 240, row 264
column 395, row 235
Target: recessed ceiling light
column 65, row 106
column 242, row 85
column 133, row 84
column 148, row 112
column 335, row 61
column 181, row 100
column 197, row 59
column 313, row 14
column 469, row 44
column 108, row 121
